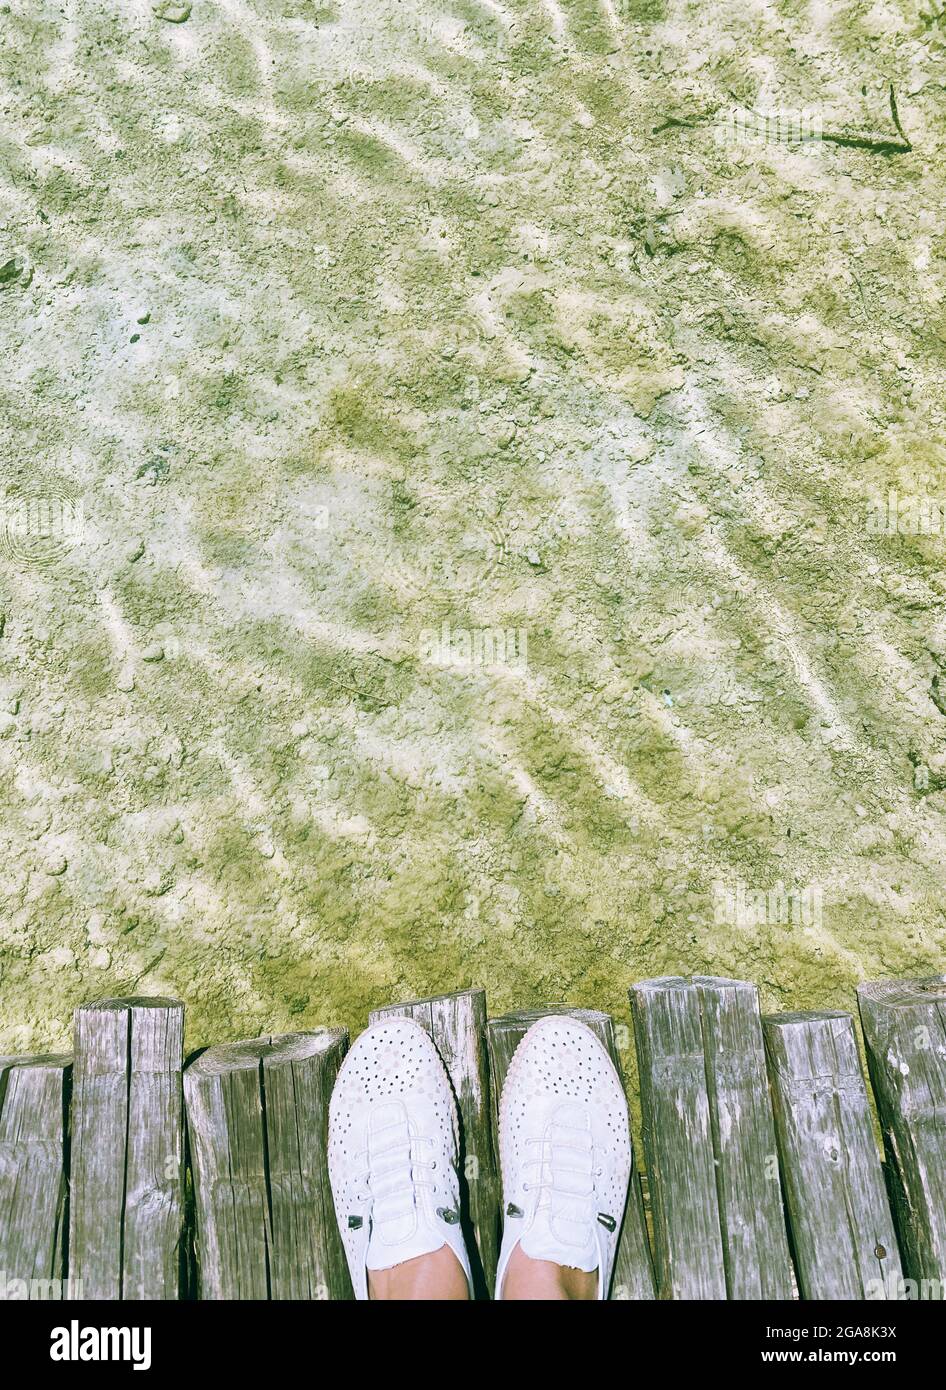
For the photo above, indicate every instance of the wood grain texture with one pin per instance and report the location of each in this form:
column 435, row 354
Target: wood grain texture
column 841, row 1226
column 127, row 1166
column 258, row 1123
column 757, row 1261
column 633, row 1277
column 33, row 1098
column 904, row 1024
column 457, row 1023
column 678, row 1139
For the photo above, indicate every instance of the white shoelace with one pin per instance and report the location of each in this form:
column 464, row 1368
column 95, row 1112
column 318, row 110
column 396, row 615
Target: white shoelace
column 566, row 1187
column 394, row 1173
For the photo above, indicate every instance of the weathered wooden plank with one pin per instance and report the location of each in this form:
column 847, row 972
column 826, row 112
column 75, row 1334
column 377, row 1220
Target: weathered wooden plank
column 127, row 1164
column 258, row 1122
column 33, row 1101
column 678, row 1139
column 227, row 1138
column 456, row 1023
column 904, row 1024
column 153, row 1257
column 307, row 1259
column 751, row 1216
column 842, row 1230
column 633, row 1277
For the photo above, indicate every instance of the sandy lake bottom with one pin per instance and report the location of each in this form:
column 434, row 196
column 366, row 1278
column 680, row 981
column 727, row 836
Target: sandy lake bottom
column 446, row 529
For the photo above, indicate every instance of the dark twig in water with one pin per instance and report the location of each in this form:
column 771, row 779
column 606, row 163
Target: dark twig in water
column 896, row 119
column 674, row 123
column 878, row 144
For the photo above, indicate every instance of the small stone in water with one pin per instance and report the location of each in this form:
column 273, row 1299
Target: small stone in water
column 172, row 10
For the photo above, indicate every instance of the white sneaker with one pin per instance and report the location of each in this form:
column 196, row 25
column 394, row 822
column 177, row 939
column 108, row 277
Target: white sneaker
column 565, row 1148
column 392, row 1153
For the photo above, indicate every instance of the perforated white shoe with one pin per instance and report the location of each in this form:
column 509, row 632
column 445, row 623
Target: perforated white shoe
column 565, row 1149
column 392, row 1154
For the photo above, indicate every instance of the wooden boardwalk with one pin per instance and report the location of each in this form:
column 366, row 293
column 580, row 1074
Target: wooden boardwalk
column 134, row 1176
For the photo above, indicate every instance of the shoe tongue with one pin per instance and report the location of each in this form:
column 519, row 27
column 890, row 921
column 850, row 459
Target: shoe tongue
column 563, row 1228
column 558, row 1237
column 393, row 1213
column 397, row 1242
column 399, row 1228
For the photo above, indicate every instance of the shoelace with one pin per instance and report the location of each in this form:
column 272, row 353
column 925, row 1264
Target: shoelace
column 570, row 1186
column 394, row 1173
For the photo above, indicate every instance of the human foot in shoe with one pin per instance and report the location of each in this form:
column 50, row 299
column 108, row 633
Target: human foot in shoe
column 566, row 1163
column 393, row 1145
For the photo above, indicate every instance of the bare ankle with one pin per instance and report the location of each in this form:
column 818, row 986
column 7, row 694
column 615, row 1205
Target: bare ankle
column 435, row 1277
column 543, row 1280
